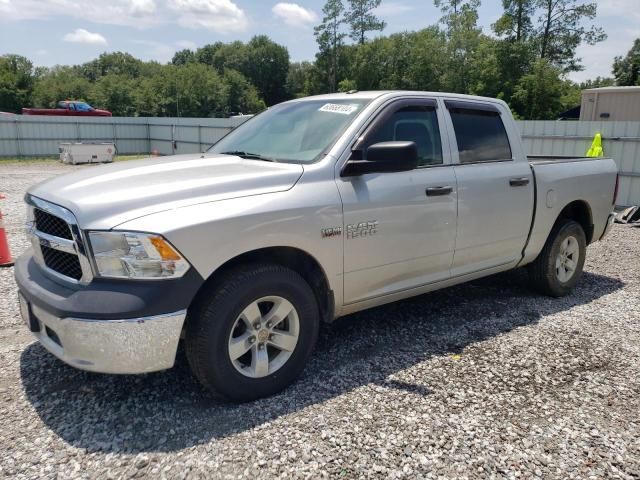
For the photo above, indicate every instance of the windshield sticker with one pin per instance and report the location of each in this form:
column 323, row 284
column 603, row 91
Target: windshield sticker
column 339, row 108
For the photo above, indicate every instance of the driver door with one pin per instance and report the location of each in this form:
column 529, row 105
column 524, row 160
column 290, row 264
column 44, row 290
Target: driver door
column 399, row 228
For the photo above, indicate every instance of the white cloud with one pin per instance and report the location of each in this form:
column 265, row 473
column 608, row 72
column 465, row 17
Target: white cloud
column 392, row 9
column 186, row 44
column 616, row 8
column 221, row 16
column 142, row 8
column 619, row 19
column 293, row 14
column 80, row 35
column 159, row 51
column 134, row 13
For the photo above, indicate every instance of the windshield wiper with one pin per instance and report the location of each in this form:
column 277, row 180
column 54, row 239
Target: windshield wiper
column 249, row 155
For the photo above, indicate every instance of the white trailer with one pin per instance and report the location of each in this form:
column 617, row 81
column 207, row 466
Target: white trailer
column 75, row 153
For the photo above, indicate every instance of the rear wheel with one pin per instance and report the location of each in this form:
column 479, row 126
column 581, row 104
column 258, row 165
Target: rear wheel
column 253, row 334
column 559, row 266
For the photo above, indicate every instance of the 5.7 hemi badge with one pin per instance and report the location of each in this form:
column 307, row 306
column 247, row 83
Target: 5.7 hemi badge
column 331, row 232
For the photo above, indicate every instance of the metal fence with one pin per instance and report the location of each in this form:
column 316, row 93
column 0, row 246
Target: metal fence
column 621, row 141
column 34, row 136
column 28, row 136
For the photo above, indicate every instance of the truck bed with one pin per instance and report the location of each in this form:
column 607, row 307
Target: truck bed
column 562, row 180
column 545, row 159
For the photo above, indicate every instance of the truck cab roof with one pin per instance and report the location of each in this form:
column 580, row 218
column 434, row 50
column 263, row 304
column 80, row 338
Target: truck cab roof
column 379, row 94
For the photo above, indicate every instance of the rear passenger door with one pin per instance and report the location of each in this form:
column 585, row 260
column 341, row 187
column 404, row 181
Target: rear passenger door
column 495, row 191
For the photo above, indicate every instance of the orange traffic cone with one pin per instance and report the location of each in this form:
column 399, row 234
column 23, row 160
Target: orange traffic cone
column 5, row 254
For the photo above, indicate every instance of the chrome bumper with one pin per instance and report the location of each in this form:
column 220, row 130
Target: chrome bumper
column 607, row 229
column 136, row 345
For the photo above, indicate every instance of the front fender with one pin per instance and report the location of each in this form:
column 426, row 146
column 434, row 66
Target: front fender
column 211, row 234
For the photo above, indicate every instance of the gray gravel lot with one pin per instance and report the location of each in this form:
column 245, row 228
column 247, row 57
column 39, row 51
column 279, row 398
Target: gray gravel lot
column 481, row 380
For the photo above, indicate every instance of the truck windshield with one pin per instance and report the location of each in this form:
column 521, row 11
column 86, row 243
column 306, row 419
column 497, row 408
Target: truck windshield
column 292, row 132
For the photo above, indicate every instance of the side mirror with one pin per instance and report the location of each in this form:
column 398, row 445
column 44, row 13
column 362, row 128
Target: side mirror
column 384, row 157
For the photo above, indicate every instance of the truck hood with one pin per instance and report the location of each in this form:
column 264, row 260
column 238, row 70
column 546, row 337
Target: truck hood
column 102, row 197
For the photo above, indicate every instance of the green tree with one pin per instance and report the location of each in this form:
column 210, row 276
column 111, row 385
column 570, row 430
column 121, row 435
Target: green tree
column 516, row 22
column 346, row 85
column 116, row 93
column 561, row 31
column 543, row 94
column 597, row 82
column 148, row 97
column 303, row 79
column 16, row 82
column 626, row 69
column 242, row 96
column 330, row 37
column 61, row 83
column 117, row 63
column 514, row 60
column 262, row 61
column 424, row 67
column 463, row 34
column 484, row 69
column 408, row 60
column 183, row 56
column 194, row 90
column 223, row 55
column 361, row 19
column 266, row 66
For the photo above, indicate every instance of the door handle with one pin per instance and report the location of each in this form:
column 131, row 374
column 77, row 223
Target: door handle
column 519, row 182
column 436, row 191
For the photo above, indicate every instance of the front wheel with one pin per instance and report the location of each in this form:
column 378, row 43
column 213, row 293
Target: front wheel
column 253, row 334
column 559, row 266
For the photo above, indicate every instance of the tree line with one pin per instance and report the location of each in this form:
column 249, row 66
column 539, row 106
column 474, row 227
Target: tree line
column 524, row 60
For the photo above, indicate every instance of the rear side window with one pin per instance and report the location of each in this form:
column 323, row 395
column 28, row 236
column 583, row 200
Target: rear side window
column 414, row 123
column 480, row 134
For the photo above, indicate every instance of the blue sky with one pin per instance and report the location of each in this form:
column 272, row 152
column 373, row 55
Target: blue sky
column 74, row 31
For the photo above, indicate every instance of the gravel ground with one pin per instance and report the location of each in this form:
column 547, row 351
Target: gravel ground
column 482, row 380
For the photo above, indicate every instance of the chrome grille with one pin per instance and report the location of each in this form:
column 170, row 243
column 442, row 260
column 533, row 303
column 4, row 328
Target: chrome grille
column 64, row 263
column 58, row 243
column 51, row 225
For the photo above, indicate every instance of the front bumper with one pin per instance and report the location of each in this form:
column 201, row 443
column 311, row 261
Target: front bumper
column 134, row 345
column 108, row 326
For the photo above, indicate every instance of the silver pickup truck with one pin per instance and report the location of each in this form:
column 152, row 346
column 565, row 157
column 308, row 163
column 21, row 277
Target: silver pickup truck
column 312, row 210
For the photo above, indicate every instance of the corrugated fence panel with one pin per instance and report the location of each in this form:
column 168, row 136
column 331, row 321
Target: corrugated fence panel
column 620, row 141
column 28, row 136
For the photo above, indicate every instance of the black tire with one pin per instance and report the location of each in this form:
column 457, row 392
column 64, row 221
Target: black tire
column 210, row 325
column 542, row 272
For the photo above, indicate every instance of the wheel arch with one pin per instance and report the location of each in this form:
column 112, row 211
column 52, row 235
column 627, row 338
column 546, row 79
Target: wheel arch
column 290, row 257
column 579, row 211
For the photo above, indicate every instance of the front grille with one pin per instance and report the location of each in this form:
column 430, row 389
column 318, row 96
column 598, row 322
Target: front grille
column 51, row 225
column 64, row 263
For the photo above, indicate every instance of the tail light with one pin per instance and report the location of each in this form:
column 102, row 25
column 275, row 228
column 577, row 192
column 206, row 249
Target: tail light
column 615, row 190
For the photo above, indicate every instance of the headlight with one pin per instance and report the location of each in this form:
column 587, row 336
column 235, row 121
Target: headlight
column 135, row 255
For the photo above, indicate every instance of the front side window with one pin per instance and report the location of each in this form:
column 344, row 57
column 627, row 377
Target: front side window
column 413, row 123
column 292, row 132
column 480, row 135
column 83, row 107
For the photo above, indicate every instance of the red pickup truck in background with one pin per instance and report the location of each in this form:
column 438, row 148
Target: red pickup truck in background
column 69, row 107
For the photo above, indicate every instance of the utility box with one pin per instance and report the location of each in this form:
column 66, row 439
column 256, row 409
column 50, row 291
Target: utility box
column 75, row 153
column 620, row 104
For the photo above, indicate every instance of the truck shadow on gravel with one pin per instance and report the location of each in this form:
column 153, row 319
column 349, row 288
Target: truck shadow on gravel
column 167, row 411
